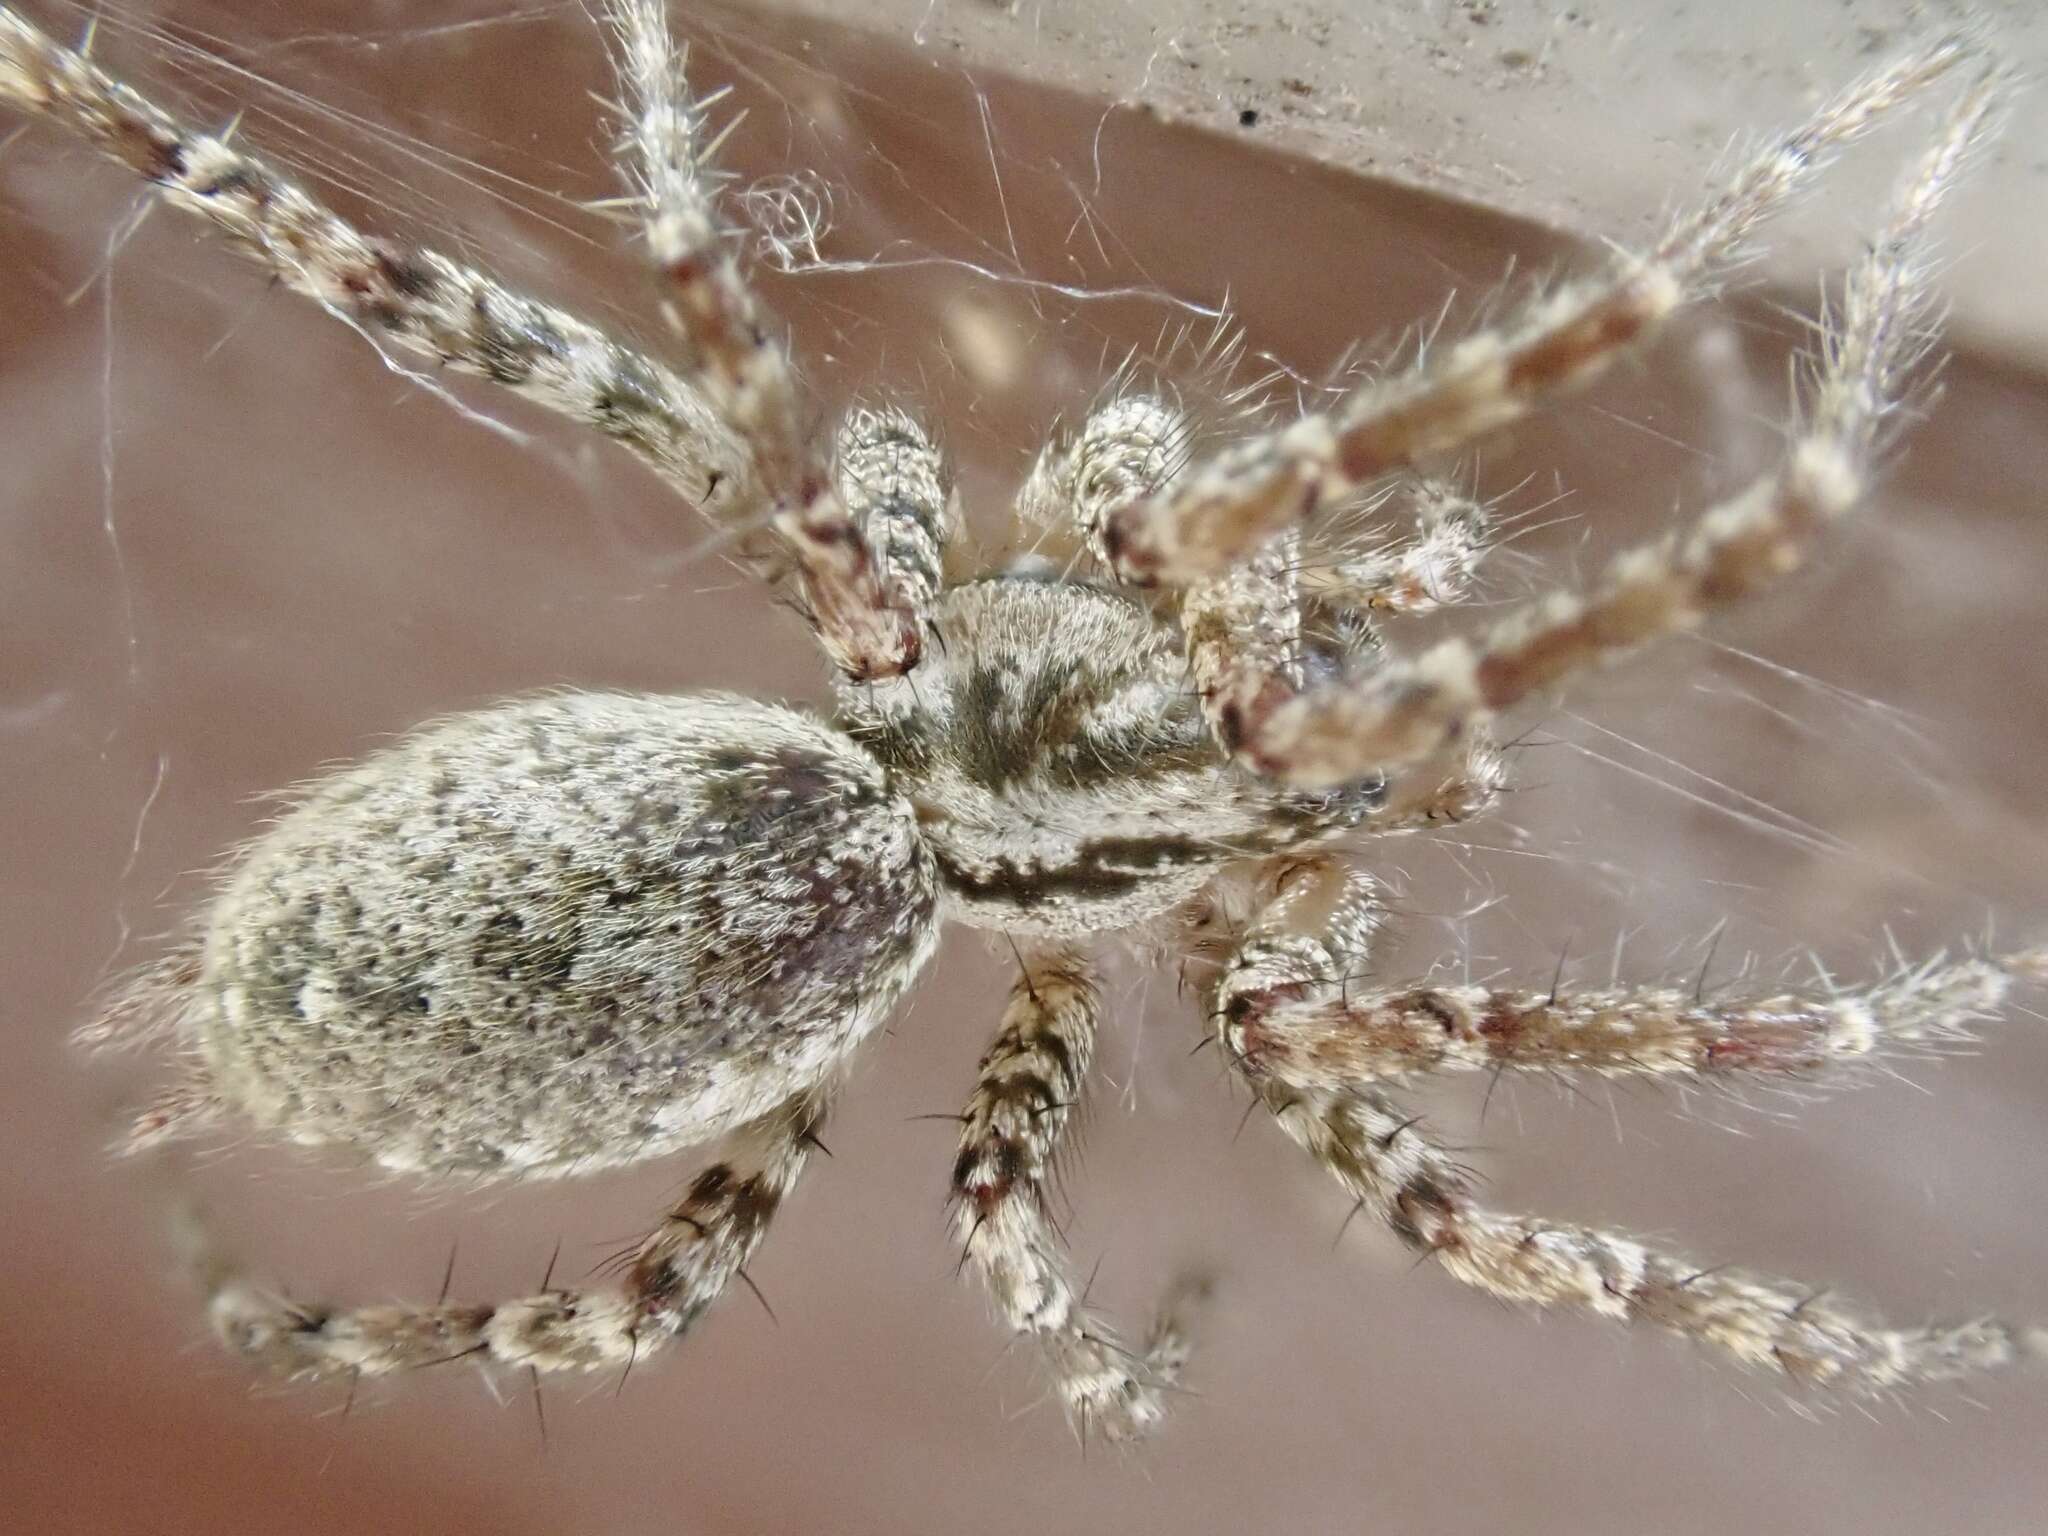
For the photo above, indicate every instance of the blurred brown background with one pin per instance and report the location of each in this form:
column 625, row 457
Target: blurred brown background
column 237, row 547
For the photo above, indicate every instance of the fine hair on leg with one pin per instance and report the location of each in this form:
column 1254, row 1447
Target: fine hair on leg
column 670, row 1279
column 1012, row 1135
column 1217, row 513
column 1405, row 710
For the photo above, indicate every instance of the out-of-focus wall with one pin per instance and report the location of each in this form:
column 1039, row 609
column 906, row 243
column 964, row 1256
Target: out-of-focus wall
column 1590, row 116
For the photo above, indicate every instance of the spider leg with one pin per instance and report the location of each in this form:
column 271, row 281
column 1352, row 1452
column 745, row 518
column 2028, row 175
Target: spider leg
column 1244, row 629
column 1011, row 1138
column 1337, row 1035
column 865, row 617
column 670, row 1280
column 1297, row 1003
column 423, row 302
column 1255, row 637
column 1386, row 1162
column 892, row 480
column 1314, row 931
column 1429, row 569
column 1340, row 729
column 1133, row 446
column 1215, row 516
column 1307, row 923
column 723, row 326
column 1126, row 449
column 1458, row 784
column 142, row 1010
column 189, row 1107
column 414, row 298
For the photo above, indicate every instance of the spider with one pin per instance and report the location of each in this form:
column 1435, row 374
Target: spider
column 590, row 929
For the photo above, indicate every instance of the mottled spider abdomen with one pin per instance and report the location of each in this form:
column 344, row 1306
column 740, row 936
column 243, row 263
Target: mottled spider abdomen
column 567, row 931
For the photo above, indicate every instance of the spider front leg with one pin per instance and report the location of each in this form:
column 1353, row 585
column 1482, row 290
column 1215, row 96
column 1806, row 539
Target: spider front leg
column 1217, row 515
column 1011, row 1139
column 1308, row 1046
column 670, row 1279
column 1337, row 730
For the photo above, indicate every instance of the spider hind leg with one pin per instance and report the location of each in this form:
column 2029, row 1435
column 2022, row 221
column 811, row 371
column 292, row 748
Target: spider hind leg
column 1393, row 1169
column 1310, row 1034
column 670, row 1280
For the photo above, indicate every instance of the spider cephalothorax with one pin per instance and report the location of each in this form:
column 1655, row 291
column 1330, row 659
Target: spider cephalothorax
column 591, row 929
column 1065, row 780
